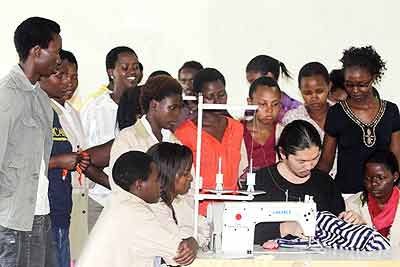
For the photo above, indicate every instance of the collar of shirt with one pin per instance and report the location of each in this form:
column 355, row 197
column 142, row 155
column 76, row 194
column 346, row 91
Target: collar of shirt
column 65, row 116
column 121, row 195
column 20, row 77
column 166, row 134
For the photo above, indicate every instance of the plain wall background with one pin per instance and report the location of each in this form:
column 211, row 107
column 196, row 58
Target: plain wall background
column 222, row 34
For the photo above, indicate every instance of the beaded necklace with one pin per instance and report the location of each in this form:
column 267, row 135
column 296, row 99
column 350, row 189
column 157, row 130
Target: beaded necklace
column 368, row 129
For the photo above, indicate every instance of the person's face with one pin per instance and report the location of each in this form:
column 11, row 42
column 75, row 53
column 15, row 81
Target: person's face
column 186, row 80
column 269, row 104
column 379, row 181
column 251, row 76
column 314, row 90
column 126, row 72
column 48, row 59
column 338, row 95
column 56, row 86
column 214, row 93
column 70, row 77
column 167, row 111
column 183, row 181
column 149, row 190
column 358, row 83
column 303, row 161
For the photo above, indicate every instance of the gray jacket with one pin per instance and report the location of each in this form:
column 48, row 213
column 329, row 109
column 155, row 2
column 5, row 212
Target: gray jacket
column 26, row 119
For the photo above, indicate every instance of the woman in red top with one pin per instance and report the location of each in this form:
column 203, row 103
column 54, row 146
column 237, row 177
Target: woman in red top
column 260, row 132
column 222, row 137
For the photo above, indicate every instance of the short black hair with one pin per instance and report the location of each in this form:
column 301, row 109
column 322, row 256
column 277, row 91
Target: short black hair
column 387, row 159
column 141, row 67
column 205, row 76
column 112, row 55
column 157, row 88
column 364, row 57
column 129, row 108
column 384, row 157
column 263, row 81
column 191, row 65
column 296, row 136
column 337, row 78
column 69, row 56
column 313, row 69
column 130, row 167
column 34, row 31
column 170, row 167
column 158, row 73
column 265, row 64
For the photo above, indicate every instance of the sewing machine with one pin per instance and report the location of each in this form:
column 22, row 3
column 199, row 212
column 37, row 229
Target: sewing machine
column 233, row 222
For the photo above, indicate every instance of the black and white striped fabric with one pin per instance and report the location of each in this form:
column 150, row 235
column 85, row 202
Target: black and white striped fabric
column 335, row 233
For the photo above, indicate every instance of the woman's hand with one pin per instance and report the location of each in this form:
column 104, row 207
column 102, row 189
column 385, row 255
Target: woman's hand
column 187, row 251
column 351, row 217
column 291, row 228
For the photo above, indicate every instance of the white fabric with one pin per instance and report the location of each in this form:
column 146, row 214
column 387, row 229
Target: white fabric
column 166, row 134
column 129, row 233
column 71, row 123
column 42, row 198
column 138, row 137
column 184, row 214
column 99, row 122
column 355, row 204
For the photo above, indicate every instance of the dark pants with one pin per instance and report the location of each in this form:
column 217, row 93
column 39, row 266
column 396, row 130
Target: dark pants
column 34, row 248
column 61, row 236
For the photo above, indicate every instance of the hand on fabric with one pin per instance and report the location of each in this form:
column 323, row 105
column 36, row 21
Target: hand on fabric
column 291, row 228
column 351, row 217
column 187, row 251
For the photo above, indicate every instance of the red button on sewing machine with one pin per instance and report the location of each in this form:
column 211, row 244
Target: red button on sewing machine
column 238, row 216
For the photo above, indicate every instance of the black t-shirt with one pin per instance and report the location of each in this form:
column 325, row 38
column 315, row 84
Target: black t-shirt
column 352, row 143
column 320, row 185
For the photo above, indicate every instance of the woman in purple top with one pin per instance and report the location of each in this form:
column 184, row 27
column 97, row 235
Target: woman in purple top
column 263, row 65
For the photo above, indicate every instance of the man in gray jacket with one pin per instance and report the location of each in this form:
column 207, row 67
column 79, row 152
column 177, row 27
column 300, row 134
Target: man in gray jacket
column 25, row 145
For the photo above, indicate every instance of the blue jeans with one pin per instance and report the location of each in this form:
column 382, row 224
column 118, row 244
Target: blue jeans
column 34, row 248
column 61, row 236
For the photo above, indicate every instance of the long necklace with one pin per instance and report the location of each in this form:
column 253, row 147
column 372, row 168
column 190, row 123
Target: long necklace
column 285, row 191
column 368, row 129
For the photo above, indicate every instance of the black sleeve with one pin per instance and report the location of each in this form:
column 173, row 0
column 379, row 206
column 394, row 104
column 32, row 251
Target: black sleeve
column 333, row 120
column 266, row 231
column 396, row 117
column 337, row 202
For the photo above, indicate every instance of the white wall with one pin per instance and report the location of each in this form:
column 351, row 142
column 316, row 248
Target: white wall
column 222, row 34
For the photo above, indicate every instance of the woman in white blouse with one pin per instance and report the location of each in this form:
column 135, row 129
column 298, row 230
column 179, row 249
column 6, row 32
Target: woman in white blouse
column 175, row 162
column 314, row 85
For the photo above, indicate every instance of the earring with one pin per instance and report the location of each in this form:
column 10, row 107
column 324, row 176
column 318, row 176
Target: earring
column 112, row 77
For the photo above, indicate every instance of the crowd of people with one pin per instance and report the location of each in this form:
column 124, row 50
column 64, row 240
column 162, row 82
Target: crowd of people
column 116, row 171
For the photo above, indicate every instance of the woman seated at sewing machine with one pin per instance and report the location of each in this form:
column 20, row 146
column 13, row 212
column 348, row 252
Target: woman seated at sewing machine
column 378, row 203
column 175, row 178
column 299, row 149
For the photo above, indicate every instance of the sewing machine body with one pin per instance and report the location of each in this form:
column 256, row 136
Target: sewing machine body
column 233, row 222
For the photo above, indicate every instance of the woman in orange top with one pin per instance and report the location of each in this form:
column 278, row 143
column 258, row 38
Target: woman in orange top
column 222, row 137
